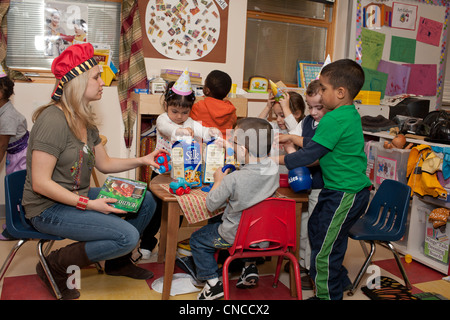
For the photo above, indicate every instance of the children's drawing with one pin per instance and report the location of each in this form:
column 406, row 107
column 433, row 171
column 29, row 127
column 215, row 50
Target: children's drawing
column 404, row 16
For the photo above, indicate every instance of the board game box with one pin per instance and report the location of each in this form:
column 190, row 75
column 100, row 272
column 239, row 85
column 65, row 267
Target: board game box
column 129, row 193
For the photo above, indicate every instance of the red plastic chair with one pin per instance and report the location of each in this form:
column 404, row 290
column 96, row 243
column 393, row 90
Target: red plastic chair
column 271, row 220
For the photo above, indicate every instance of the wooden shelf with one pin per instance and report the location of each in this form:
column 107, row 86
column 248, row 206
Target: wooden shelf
column 151, row 105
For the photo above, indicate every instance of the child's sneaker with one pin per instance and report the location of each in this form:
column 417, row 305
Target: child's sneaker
column 211, row 293
column 248, row 278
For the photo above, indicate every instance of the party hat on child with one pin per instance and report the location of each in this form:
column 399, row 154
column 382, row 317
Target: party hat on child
column 327, row 61
column 2, row 72
column 277, row 93
column 183, row 85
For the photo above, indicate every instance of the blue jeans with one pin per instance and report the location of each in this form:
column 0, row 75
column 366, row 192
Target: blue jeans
column 204, row 243
column 107, row 236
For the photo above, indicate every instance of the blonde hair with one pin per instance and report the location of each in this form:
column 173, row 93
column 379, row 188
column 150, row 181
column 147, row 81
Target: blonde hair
column 73, row 105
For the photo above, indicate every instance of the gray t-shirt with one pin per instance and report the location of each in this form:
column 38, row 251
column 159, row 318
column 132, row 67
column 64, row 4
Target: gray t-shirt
column 12, row 122
column 75, row 160
column 240, row 190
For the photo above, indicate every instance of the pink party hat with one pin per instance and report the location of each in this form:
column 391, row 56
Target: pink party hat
column 183, row 85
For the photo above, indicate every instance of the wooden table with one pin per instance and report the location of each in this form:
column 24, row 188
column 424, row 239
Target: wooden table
column 170, row 224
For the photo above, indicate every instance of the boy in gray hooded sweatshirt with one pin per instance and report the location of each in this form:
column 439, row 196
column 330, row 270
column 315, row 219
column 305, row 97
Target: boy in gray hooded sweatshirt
column 257, row 180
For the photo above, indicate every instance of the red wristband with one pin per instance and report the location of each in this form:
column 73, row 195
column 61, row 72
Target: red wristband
column 82, row 202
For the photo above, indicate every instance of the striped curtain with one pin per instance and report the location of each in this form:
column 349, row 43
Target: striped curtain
column 14, row 75
column 131, row 64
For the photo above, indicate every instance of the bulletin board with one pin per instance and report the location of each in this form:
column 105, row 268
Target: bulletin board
column 185, row 29
column 401, row 46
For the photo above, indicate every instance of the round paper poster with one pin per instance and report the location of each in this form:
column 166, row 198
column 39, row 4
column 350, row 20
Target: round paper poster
column 182, row 29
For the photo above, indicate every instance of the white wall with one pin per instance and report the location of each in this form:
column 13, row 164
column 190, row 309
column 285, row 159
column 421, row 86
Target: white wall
column 28, row 96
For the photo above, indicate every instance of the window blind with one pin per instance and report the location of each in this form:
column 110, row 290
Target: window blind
column 273, row 48
column 299, row 8
column 26, row 21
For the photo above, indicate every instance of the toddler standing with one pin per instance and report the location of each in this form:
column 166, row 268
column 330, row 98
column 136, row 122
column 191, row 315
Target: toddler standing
column 339, row 144
column 300, row 137
column 13, row 129
column 13, row 133
column 175, row 122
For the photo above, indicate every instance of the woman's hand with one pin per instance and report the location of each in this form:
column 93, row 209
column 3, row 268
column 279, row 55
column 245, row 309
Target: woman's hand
column 149, row 159
column 102, row 205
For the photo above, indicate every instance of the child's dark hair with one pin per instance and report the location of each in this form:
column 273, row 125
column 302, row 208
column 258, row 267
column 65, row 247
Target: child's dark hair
column 313, row 88
column 296, row 103
column 177, row 100
column 6, row 87
column 256, row 135
column 218, row 83
column 345, row 73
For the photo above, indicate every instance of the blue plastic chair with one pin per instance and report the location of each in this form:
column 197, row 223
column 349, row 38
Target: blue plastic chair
column 20, row 228
column 383, row 222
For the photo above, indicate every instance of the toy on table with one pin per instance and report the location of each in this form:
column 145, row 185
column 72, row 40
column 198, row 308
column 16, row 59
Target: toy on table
column 180, row 187
column 300, row 179
column 224, row 168
column 163, row 159
column 277, row 93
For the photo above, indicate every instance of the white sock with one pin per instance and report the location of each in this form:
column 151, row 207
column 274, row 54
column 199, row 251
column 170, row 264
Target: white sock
column 213, row 282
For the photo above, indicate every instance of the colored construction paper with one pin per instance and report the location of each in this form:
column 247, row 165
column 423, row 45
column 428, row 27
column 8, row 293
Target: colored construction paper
column 403, row 49
column 422, row 79
column 372, row 48
column 429, row 31
column 375, row 81
column 398, row 77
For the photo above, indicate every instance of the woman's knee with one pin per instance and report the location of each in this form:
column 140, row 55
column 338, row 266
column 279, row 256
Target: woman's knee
column 130, row 239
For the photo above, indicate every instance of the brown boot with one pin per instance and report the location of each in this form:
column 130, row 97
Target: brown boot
column 123, row 266
column 58, row 261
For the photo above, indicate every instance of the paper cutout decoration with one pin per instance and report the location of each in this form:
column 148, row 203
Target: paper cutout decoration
column 372, row 48
column 183, row 85
column 404, row 16
column 429, row 31
column 398, row 77
column 422, row 79
column 403, row 49
column 373, row 16
column 375, row 81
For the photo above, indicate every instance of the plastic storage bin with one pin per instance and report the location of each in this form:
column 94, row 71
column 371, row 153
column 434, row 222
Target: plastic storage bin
column 437, row 242
column 390, row 164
